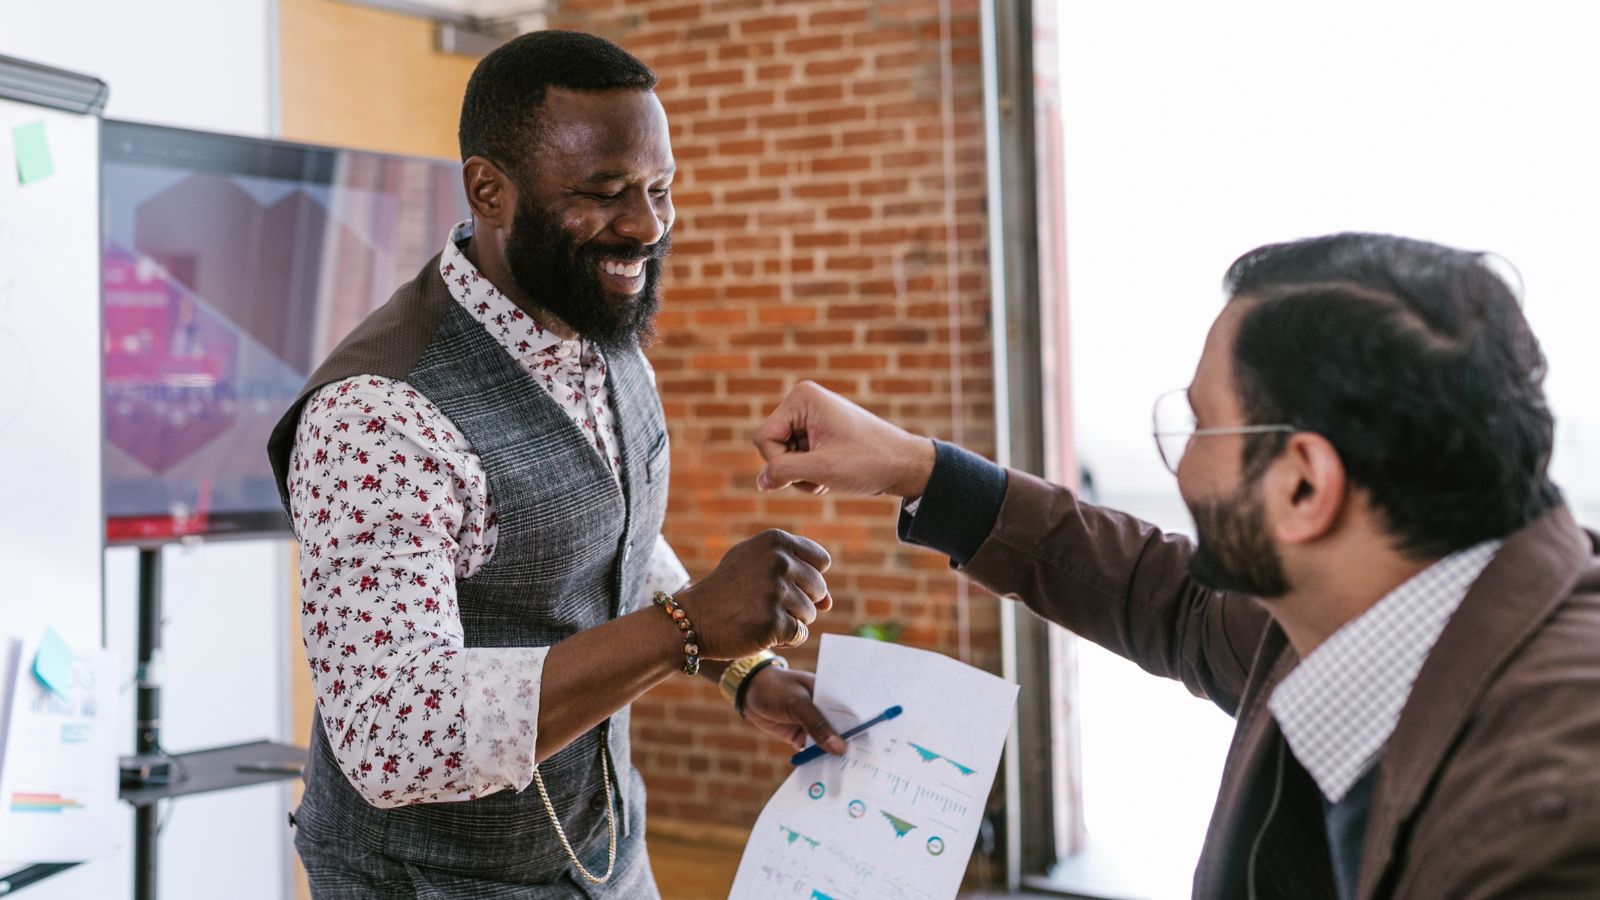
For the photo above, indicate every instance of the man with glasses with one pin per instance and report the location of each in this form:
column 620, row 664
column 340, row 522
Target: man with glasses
column 1387, row 592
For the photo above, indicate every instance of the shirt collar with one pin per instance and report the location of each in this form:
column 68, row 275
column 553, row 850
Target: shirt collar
column 1341, row 703
column 516, row 331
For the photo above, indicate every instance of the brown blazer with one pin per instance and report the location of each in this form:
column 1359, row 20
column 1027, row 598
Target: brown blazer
column 1490, row 785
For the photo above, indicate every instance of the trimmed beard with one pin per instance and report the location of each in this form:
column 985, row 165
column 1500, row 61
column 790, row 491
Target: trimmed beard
column 1233, row 552
column 551, row 270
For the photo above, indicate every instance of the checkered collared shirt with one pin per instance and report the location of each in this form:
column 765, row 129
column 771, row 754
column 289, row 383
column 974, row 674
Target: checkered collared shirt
column 1341, row 703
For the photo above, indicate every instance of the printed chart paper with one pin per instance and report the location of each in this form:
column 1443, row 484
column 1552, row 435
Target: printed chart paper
column 58, row 773
column 895, row 818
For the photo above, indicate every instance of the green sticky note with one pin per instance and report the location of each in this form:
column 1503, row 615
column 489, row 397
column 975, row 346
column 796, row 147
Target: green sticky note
column 33, row 154
column 53, row 663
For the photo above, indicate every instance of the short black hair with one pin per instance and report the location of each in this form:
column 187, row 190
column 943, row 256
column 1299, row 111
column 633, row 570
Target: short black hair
column 1415, row 361
column 500, row 118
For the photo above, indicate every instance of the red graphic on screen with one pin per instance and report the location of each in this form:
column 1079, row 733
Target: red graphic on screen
column 169, row 365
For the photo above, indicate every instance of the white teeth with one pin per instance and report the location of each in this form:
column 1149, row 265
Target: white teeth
column 630, row 270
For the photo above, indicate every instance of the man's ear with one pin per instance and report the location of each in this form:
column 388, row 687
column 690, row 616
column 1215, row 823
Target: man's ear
column 1305, row 489
column 491, row 195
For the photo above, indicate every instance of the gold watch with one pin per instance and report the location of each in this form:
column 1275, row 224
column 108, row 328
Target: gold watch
column 740, row 670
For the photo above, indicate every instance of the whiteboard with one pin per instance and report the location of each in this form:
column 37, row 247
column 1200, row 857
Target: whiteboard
column 50, row 519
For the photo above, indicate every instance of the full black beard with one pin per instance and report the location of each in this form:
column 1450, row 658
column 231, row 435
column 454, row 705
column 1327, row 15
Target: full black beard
column 1234, row 553
column 564, row 279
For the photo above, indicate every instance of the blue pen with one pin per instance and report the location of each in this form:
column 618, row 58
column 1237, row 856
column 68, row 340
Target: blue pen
column 815, row 750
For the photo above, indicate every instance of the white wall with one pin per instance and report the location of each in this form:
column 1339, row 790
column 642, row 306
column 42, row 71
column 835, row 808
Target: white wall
column 1196, row 131
column 207, row 65
column 186, row 63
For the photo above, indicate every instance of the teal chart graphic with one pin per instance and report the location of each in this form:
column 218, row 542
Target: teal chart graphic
column 929, row 756
column 793, row 836
column 901, row 826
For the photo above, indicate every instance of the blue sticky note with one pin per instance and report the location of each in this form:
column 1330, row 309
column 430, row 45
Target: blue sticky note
column 53, row 663
column 33, row 153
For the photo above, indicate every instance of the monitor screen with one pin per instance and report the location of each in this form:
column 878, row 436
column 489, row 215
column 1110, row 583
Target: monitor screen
column 232, row 266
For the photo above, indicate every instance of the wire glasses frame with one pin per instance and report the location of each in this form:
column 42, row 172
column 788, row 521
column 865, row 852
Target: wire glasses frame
column 1173, row 425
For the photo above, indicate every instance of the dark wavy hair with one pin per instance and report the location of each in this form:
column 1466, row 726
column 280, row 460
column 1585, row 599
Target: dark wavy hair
column 1414, row 360
column 500, row 114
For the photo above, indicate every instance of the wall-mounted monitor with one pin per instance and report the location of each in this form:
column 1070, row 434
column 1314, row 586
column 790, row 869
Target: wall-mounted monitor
column 232, row 266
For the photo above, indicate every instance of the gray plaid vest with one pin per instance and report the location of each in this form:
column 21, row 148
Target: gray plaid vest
column 572, row 553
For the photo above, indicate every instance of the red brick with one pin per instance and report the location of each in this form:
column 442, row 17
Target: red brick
column 757, row 241
column 823, row 290
column 753, row 50
column 853, row 213
column 761, row 387
column 763, row 97
column 739, row 410
column 721, row 317
column 835, row 164
column 704, row 174
column 836, row 114
column 824, row 191
column 766, row 194
column 857, row 362
column 769, row 24
column 756, row 339
column 720, row 126
column 825, row 17
column 747, row 147
column 685, row 12
column 804, row 142
column 786, row 315
column 802, row 362
column 858, row 312
column 786, row 218
column 873, row 136
column 778, row 120
column 716, row 77
column 720, row 362
column 822, row 239
column 825, row 337
column 898, row 336
column 829, row 68
column 850, row 263
column 716, row 31
column 727, row 221
column 809, row 93
column 813, row 43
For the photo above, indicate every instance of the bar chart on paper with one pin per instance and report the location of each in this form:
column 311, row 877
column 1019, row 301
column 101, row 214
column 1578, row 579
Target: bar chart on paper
column 894, row 818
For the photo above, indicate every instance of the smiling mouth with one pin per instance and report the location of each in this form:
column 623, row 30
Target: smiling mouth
column 622, row 268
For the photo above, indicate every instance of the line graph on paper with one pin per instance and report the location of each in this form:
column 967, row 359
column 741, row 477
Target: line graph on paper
column 904, row 782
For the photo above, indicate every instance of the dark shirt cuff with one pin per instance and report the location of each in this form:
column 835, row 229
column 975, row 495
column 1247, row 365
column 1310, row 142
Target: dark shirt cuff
column 959, row 507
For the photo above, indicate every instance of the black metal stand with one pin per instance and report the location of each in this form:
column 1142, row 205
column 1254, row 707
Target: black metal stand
column 147, row 723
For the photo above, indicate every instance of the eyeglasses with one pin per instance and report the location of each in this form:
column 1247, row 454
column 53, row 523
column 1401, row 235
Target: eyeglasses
column 1174, row 424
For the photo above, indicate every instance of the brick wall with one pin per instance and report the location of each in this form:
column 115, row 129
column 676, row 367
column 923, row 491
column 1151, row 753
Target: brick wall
column 831, row 225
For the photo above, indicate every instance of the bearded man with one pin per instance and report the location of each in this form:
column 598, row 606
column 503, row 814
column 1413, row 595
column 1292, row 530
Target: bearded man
column 1387, row 592
column 478, row 477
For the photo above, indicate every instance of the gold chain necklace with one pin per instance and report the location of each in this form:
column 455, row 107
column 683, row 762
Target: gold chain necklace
column 611, row 822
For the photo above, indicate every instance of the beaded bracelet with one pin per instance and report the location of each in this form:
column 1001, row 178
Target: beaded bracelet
column 691, row 645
